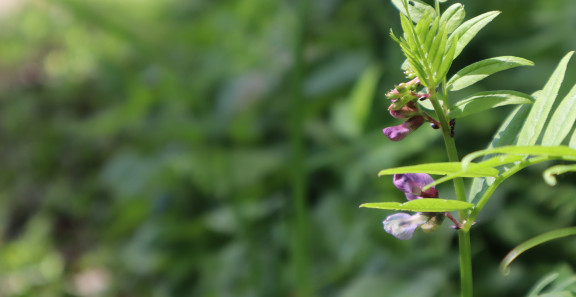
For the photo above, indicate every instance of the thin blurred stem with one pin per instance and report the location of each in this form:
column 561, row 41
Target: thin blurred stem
column 300, row 223
column 463, row 234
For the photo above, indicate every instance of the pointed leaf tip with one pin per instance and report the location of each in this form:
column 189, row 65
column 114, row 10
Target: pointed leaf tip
column 422, row 205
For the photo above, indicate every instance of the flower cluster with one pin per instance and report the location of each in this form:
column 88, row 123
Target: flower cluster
column 403, row 225
column 404, row 106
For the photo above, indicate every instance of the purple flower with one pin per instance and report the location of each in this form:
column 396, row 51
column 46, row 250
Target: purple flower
column 402, row 225
column 412, row 183
column 397, row 133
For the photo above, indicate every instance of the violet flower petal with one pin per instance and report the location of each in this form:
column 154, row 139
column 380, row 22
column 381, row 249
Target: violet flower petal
column 412, row 183
column 396, row 133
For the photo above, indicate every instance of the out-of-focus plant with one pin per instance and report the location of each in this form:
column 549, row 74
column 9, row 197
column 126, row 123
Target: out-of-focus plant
column 532, row 134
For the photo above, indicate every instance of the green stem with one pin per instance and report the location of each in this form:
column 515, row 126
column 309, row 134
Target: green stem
column 463, row 234
column 465, row 263
column 300, row 242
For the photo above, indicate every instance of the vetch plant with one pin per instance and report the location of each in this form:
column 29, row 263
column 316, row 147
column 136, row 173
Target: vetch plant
column 533, row 133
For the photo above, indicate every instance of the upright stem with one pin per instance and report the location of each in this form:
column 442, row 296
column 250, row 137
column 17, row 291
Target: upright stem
column 299, row 224
column 463, row 234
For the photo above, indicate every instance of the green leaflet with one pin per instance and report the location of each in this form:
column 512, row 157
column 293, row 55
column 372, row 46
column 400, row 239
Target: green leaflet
column 416, row 9
column 543, row 283
column 357, row 107
column 422, row 205
column 490, row 163
column 470, row 28
column 431, row 34
column 487, row 100
column 562, row 120
column 563, row 152
column 550, row 173
column 437, row 49
column 544, row 102
column 476, row 72
column 442, row 169
column 521, row 248
column 442, row 69
column 453, row 17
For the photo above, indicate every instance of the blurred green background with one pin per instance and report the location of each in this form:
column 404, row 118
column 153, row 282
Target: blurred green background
column 185, row 148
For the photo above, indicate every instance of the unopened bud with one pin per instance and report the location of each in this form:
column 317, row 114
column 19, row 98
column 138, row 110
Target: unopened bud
column 408, row 110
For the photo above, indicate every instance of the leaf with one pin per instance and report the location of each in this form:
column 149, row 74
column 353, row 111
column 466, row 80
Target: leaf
column 446, row 62
column 423, row 28
column 416, row 9
column 506, row 135
column 422, row 205
column 360, row 100
column 441, row 169
column 552, row 151
column 487, row 100
column 543, row 283
column 539, row 113
column 550, row 173
column 562, row 121
column 452, row 17
column 476, row 72
column 521, row 248
column 470, row 28
column 490, row 163
column 438, row 48
column 430, row 36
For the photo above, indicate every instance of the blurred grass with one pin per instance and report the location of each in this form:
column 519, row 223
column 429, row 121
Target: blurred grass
column 145, row 150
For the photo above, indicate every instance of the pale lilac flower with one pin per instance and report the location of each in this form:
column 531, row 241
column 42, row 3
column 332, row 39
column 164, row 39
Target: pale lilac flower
column 402, row 225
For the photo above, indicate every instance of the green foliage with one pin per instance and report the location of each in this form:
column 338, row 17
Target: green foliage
column 478, row 71
column 551, row 173
column 562, row 152
column 442, row 168
column 487, row 100
column 422, row 205
column 538, row 115
column 524, row 127
column 427, row 46
column 561, row 282
column 452, row 17
column 145, row 149
column 430, row 45
column 562, row 120
column 416, row 9
column 469, row 29
column 530, row 243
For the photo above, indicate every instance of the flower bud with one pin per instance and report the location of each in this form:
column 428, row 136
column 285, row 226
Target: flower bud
column 394, row 95
column 408, row 110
